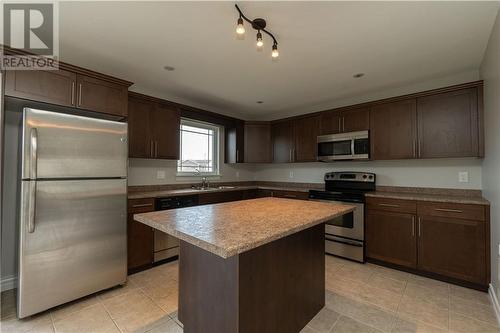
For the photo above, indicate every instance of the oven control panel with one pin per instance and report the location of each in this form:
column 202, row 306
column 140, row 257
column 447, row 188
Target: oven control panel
column 350, row 176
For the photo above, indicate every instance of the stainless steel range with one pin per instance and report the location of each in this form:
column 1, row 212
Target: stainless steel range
column 345, row 235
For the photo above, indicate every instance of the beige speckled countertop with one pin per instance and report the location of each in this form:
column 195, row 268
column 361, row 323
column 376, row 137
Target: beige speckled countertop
column 189, row 191
column 227, row 229
column 430, row 197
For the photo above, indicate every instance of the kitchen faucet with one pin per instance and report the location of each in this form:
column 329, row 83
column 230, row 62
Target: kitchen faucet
column 204, row 181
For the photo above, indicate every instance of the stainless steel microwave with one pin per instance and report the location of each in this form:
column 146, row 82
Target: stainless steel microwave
column 344, row 146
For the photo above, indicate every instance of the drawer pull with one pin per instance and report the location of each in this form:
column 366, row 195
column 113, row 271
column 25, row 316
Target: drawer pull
column 142, row 205
column 289, row 196
column 413, row 226
column 449, row 210
column 388, row 205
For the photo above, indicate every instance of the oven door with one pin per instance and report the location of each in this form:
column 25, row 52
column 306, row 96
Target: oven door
column 350, row 225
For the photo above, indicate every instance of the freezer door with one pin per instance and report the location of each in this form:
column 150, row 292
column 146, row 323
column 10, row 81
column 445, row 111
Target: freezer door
column 77, row 243
column 57, row 145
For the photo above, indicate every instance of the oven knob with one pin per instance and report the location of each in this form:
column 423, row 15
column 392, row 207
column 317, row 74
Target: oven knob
column 327, row 176
column 364, row 176
column 371, row 177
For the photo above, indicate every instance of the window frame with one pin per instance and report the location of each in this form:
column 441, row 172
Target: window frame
column 215, row 148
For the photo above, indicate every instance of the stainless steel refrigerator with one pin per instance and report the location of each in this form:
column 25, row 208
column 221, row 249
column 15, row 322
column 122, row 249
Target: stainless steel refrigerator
column 73, row 229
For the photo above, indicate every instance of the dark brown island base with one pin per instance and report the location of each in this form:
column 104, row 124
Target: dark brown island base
column 249, row 266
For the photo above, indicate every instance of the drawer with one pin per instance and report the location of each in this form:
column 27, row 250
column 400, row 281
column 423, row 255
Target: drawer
column 141, row 205
column 392, row 205
column 453, row 210
column 290, row 194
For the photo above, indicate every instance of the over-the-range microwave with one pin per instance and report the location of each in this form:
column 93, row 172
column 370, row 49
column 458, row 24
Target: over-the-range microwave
column 344, row 146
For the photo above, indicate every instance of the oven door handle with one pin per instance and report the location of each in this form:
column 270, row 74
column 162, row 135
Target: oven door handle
column 343, row 241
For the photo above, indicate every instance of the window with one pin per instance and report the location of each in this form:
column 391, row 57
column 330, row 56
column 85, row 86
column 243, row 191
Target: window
column 199, row 148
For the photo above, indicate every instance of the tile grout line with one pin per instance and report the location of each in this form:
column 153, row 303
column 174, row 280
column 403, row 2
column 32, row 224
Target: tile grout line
column 109, row 314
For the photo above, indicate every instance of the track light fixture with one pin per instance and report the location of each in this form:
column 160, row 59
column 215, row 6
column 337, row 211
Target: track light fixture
column 258, row 24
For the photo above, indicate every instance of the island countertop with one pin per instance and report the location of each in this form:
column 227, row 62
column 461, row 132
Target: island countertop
column 231, row 228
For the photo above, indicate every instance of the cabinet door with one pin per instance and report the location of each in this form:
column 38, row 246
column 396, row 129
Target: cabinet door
column 393, row 130
column 355, row 120
column 282, row 140
column 257, row 142
column 448, row 124
column 306, row 133
column 234, row 143
column 140, row 237
column 165, row 125
column 330, row 122
column 140, row 142
column 218, row 197
column 101, row 96
column 55, row 87
column 390, row 237
column 452, row 247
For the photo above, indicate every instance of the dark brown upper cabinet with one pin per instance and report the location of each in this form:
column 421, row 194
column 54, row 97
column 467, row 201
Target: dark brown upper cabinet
column 154, row 129
column 234, row 143
column 68, row 87
column 393, row 130
column 282, row 141
column 55, row 87
column 355, row 120
column 448, row 124
column 305, row 132
column 101, row 96
column 342, row 121
column 330, row 122
column 140, row 142
column 257, row 142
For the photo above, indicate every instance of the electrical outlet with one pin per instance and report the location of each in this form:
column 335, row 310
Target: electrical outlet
column 290, row 175
column 160, row 174
column 463, row 177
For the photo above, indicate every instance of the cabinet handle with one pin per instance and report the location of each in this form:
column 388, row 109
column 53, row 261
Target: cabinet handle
column 142, row 205
column 156, row 148
column 151, row 148
column 419, row 154
column 290, row 154
column 237, row 155
column 449, row 210
column 413, row 226
column 343, row 124
column 289, row 196
column 419, row 226
column 415, row 148
column 80, row 94
column 339, row 125
column 73, row 93
column 388, row 205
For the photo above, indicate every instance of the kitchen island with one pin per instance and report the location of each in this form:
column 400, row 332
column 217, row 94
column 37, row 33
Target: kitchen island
column 249, row 266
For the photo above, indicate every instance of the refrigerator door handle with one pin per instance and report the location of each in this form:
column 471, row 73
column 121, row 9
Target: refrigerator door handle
column 32, row 182
column 31, row 206
column 33, row 153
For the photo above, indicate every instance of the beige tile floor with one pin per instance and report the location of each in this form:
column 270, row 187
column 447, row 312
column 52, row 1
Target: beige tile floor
column 359, row 298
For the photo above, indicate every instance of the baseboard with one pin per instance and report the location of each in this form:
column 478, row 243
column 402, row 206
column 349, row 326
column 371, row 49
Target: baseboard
column 8, row 282
column 494, row 301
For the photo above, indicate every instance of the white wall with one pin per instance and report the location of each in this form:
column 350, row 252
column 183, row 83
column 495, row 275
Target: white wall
column 490, row 72
column 419, row 173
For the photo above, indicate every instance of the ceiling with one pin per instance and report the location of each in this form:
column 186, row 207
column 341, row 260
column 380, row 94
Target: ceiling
column 321, row 45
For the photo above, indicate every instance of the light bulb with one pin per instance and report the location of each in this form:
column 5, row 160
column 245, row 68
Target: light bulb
column 240, row 29
column 275, row 53
column 260, row 43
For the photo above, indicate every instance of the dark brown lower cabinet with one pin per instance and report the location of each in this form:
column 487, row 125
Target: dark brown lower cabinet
column 140, row 237
column 218, row 197
column 390, row 237
column 449, row 241
column 452, row 247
